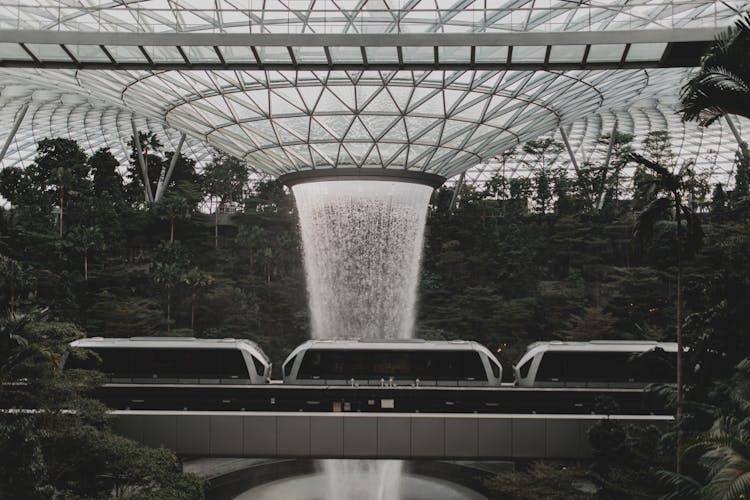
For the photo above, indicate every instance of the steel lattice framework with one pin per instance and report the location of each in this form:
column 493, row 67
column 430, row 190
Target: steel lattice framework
column 436, row 86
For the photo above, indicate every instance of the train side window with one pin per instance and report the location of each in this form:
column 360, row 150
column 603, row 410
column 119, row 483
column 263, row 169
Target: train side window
column 472, row 367
column 311, row 366
column 260, row 368
column 232, row 364
column 524, row 369
column 551, row 367
column 288, row 366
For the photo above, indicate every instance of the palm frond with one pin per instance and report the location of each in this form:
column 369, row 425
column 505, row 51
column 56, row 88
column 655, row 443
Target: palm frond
column 681, row 487
column 653, row 166
column 646, row 221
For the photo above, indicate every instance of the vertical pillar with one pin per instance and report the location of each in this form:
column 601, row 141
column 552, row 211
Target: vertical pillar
column 19, row 118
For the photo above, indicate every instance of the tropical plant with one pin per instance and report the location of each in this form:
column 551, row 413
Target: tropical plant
column 174, row 207
column 167, row 275
column 84, row 239
column 195, row 279
column 60, row 167
column 722, row 85
column 13, row 277
column 669, row 190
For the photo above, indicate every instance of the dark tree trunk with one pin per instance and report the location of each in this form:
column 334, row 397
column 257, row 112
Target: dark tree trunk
column 192, row 311
column 60, row 219
column 678, row 217
column 169, row 308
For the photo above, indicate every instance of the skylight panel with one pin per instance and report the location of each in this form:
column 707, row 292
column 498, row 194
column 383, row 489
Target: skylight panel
column 485, row 54
column 646, row 51
column 606, row 53
column 48, row 52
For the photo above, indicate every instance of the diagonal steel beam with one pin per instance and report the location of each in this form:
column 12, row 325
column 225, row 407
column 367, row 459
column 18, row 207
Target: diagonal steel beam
column 742, row 144
column 12, row 134
column 456, row 190
column 162, row 188
column 573, row 160
column 142, row 162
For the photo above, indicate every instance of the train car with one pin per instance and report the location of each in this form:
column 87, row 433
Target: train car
column 174, row 360
column 599, row 363
column 392, row 363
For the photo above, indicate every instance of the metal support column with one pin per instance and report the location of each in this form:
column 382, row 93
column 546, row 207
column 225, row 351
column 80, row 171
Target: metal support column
column 162, row 188
column 606, row 166
column 142, row 163
column 736, row 133
column 16, row 124
column 456, row 190
column 564, row 136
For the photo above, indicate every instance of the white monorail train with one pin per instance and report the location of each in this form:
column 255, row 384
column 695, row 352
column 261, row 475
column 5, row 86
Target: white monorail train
column 392, row 362
column 175, row 360
column 598, row 363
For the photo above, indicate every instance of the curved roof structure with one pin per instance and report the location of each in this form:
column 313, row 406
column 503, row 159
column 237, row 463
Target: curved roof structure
column 291, row 85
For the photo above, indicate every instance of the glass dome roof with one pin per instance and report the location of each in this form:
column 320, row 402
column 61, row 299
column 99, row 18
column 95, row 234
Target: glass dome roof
column 422, row 85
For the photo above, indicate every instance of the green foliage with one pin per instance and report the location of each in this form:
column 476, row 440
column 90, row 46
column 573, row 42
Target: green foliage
column 542, row 480
column 62, row 454
column 722, row 86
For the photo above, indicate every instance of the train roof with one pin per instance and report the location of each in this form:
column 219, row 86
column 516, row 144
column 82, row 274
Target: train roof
column 169, row 342
column 392, row 344
column 602, row 346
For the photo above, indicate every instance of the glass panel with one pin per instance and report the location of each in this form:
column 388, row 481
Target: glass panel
column 551, row 367
column 346, row 54
column 417, row 54
column 309, row 54
column 88, row 53
column 274, row 55
column 13, row 51
column 238, row 54
column 48, row 52
column 471, row 366
column 232, row 364
column 161, row 54
column 201, row 54
column 606, row 53
column 382, row 55
column 126, row 54
column 646, row 51
column 566, row 53
column 528, row 54
column 485, row 54
column 454, row 54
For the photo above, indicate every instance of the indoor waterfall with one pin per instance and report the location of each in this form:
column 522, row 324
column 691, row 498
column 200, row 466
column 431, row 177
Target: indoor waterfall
column 362, row 244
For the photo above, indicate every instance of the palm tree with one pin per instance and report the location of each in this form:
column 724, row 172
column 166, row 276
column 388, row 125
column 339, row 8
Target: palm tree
column 195, row 279
column 722, row 86
column 85, row 239
column 168, row 276
column 171, row 209
column 668, row 190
